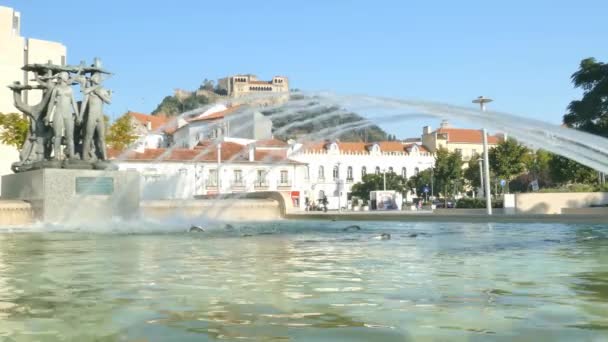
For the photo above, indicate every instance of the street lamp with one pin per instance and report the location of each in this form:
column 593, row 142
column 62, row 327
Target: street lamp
column 339, row 192
column 482, row 106
column 481, row 186
column 384, row 176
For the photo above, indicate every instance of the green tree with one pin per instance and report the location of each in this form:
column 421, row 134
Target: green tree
column 14, row 128
column 591, row 112
column 419, row 181
column 566, row 171
column 372, row 182
column 508, row 160
column 121, row 133
column 448, row 171
column 471, row 173
column 169, row 106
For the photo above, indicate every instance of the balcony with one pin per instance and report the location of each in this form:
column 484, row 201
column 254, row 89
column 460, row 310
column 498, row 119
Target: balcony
column 260, row 185
column 237, row 185
column 211, row 184
column 284, row 184
column 349, row 180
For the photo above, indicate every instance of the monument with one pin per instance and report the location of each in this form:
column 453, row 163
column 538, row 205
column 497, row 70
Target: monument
column 63, row 169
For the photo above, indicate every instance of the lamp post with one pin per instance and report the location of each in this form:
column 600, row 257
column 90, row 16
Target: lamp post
column 481, row 186
column 482, row 106
column 339, row 190
column 384, row 177
column 219, row 164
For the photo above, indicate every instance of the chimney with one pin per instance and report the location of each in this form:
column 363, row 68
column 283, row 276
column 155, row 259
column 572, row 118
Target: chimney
column 149, row 126
column 426, row 130
column 445, row 124
column 252, row 152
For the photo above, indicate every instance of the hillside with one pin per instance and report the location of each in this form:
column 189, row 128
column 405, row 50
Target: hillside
column 174, row 105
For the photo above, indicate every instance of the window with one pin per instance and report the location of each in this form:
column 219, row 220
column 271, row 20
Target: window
column 458, row 150
column 336, row 172
column 260, row 177
column 15, row 24
column 284, row 177
column 321, row 172
column 390, row 170
column 212, row 180
column 238, row 177
column 377, row 170
column 474, row 152
column 416, row 171
column 349, row 173
column 307, row 173
column 363, row 171
column 404, row 172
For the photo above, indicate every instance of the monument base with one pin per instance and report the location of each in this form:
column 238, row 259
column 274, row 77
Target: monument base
column 64, row 195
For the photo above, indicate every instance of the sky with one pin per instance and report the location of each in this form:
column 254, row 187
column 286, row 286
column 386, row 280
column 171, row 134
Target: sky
column 520, row 53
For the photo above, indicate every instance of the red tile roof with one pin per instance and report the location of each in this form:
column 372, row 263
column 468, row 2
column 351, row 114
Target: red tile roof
column 470, row 136
column 421, row 148
column 157, row 121
column 355, row 147
column 204, row 152
column 216, row 115
column 271, row 143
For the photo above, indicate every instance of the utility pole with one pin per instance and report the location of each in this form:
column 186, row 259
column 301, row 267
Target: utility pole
column 384, row 175
column 481, row 186
column 482, row 106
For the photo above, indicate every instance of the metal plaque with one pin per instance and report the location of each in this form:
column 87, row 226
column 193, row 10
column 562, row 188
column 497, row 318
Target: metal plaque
column 94, row 185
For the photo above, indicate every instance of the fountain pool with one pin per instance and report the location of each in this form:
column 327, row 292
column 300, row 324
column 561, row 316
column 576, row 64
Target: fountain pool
column 305, row 280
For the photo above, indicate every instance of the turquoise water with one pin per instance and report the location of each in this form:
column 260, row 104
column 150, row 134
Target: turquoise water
column 307, row 281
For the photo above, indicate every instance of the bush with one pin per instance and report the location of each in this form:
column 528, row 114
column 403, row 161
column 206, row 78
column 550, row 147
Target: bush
column 471, row 203
column 576, row 187
column 478, row 203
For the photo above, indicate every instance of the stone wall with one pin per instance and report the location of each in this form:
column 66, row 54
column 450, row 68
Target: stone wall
column 214, row 209
column 15, row 213
column 553, row 203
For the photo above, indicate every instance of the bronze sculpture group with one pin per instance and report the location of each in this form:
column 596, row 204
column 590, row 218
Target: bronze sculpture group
column 64, row 133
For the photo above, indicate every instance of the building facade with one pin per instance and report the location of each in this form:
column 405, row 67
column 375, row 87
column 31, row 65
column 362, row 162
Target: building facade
column 222, row 121
column 469, row 142
column 15, row 52
column 333, row 167
column 243, row 85
column 18, row 51
column 215, row 167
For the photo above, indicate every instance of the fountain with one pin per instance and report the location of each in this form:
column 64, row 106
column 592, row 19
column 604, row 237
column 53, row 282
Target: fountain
column 63, row 162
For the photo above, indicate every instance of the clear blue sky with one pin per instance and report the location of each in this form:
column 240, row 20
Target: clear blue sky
column 521, row 53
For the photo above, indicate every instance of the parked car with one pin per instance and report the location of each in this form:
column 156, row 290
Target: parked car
column 439, row 203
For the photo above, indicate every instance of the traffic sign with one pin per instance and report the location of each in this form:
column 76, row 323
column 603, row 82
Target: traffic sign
column 503, row 183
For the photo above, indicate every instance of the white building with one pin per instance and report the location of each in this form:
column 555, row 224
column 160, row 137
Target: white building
column 333, row 167
column 150, row 130
column 210, row 169
column 221, row 120
column 15, row 52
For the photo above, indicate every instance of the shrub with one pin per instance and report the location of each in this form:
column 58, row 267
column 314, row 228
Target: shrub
column 470, row 203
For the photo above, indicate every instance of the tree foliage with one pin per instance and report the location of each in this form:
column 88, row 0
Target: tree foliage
column 591, row 112
column 171, row 105
column 508, row 159
column 419, row 181
column 566, row 171
column 372, row 182
column 13, row 129
column 448, row 171
column 308, row 122
column 121, row 133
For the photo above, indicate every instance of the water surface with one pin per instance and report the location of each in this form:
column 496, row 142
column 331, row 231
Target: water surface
column 307, row 281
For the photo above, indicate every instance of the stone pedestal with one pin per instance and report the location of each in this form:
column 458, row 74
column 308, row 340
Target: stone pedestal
column 62, row 195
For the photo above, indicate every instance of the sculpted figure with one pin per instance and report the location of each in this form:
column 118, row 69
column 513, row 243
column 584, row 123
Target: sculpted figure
column 33, row 148
column 60, row 113
column 94, row 98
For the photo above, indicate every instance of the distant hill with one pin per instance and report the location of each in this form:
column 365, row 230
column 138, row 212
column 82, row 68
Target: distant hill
column 324, row 123
column 176, row 104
